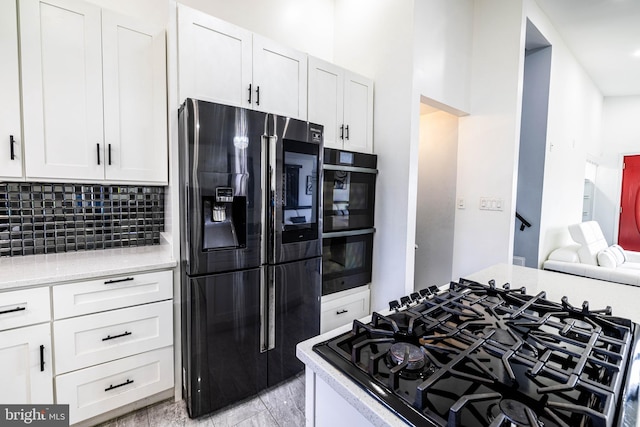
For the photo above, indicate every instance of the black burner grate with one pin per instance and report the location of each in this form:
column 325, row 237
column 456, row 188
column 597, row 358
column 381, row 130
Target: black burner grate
column 480, row 355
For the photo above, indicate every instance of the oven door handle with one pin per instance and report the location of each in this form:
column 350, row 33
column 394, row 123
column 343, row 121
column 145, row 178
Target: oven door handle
column 349, row 169
column 348, row 233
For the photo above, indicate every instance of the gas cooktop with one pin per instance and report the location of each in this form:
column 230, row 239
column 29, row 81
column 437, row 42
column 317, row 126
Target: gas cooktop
column 479, row 355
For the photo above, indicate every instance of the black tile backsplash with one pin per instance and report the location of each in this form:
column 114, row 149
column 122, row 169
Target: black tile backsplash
column 37, row 218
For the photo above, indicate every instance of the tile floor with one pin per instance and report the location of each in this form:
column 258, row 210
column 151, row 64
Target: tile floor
column 281, row 406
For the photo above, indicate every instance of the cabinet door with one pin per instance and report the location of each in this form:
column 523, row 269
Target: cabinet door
column 279, row 78
column 135, row 104
column 10, row 136
column 214, row 59
column 326, row 92
column 62, row 89
column 358, row 113
column 26, row 379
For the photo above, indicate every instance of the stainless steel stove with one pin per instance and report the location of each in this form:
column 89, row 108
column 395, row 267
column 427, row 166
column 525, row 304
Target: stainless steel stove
column 480, row 355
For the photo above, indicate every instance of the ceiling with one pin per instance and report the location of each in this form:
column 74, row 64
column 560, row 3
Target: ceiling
column 603, row 35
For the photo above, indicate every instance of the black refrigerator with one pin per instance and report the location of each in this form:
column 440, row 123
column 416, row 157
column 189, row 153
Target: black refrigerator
column 251, row 247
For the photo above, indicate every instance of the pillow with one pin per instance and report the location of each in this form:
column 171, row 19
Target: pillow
column 618, row 252
column 606, row 259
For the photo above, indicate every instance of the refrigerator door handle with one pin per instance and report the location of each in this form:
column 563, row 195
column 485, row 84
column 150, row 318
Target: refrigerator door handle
column 273, row 196
column 268, row 310
column 272, row 310
column 264, row 312
column 263, row 205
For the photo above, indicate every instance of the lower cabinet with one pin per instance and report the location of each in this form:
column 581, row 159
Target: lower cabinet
column 113, row 341
column 25, row 365
column 98, row 389
column 343, row 307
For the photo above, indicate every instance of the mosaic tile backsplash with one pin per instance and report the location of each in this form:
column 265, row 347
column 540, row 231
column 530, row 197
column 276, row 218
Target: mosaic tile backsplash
column 40, row 218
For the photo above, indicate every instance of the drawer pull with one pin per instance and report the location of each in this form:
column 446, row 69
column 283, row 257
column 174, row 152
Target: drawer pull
column 109, row 337
column 111, row 387
column 41, row 358
column 342, row 311
column 13, row 310
column 127, row 279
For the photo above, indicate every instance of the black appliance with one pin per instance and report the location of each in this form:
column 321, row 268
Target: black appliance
column 478, row 355
column 250, row 249
column 348, row 219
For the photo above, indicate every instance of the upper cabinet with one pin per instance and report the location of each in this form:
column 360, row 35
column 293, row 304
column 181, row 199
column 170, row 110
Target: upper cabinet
column 135, row 103
column 10, row 136
column 222, row 63
column 341, row 101
column 72, row 54
column 280, row 79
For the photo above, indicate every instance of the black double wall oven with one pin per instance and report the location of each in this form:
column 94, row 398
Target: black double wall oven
column 251, row 226
column 348, row 219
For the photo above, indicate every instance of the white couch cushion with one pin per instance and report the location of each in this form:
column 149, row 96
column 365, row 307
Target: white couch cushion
column 630, row 265
column 589, row 236
column 618, row 252
column 606, row 258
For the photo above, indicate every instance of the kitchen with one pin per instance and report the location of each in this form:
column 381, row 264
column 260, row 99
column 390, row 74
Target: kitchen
column 403, row 73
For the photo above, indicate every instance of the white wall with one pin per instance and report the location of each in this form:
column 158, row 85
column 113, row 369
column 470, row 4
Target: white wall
column 620, row 136
column 436, row 199
column 442, row 52
column 487, row 144
column 573, row 131
column 375, row 39
column 306, row 25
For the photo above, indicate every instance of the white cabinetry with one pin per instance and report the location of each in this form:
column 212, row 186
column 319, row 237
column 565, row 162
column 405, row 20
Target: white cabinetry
column 342, row 102
column 343, row 307
column 10, row 134
column 114, row 341
column 72, row 53
column 25, row 352
column 222, row 63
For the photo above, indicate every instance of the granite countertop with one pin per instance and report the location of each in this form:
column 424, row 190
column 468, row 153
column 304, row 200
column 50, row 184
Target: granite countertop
column 38, row 270
column 622, row 298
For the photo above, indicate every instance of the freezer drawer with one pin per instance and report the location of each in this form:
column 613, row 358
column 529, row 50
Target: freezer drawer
column 296, row 314
column 221, row 334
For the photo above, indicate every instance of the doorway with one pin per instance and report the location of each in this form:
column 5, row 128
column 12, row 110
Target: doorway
column 629, row 225
column 533, row 139
column 435, row 216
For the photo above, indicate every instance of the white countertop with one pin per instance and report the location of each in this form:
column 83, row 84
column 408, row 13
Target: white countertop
column 622, row 298
column 38, row 270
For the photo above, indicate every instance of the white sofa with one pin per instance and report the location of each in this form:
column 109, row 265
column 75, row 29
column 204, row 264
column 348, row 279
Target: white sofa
column 592, row 257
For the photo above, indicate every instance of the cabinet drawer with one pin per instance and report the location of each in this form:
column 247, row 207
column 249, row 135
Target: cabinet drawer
column 92, row 391
column 97, row 338
column 342, row 310
column 110, row 293
column 24, row 307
